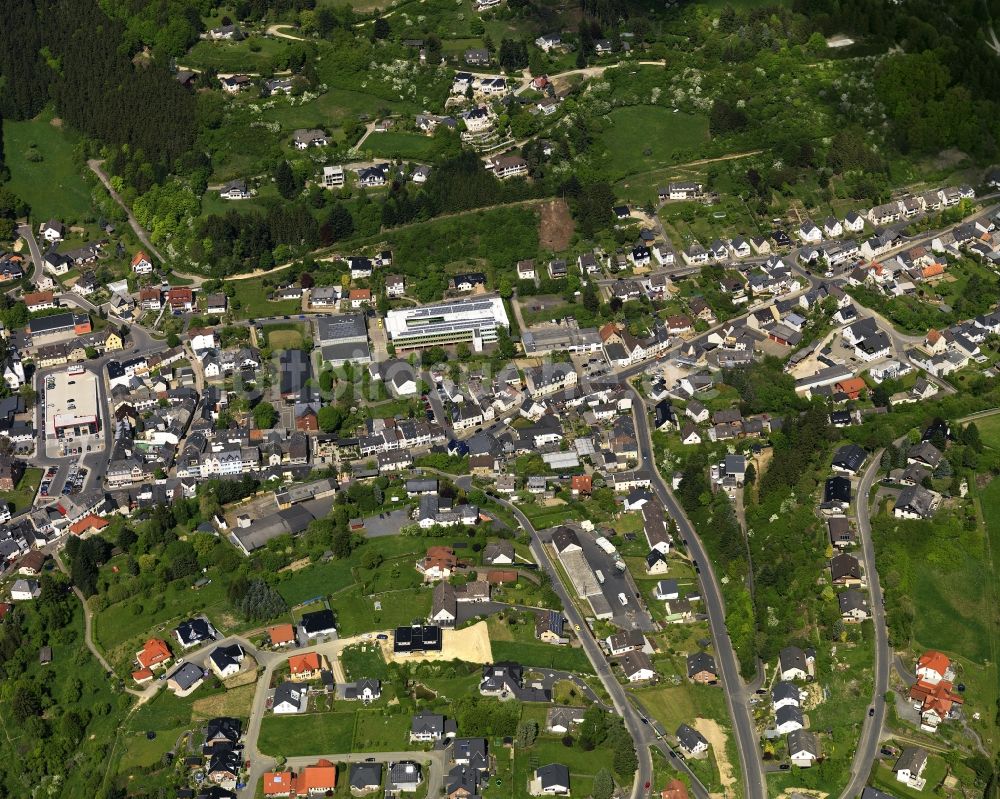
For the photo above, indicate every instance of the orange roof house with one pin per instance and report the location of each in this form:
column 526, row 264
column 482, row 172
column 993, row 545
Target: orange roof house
column 317, row 779
column 89, row 523
column 154, row 653
column 440, row 559
column 280, row 783
column 360, row 295
column 933, row 666
column 582, row 484
column 852, row 387
column 932, row 270
column 281, row 634
column 304, row 666
column 935, row 701
column 609, row 331
column 142, row 676
column 675, row 790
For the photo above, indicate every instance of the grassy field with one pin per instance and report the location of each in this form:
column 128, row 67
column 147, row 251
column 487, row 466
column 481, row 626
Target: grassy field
column 364, row 661
column 52, row 185
column 375, row 732
column 541, row 655
column 307, row 734
column 673, row 704
column 285, row 335
column 235, row 702
column 644, row 137
column 251, row 55
column 357, row 614
column 989, row 430
column 331, row 577
column 24, row 492
column 253, row 301
column 400, row 144
column 119, row 624
column 541, row 517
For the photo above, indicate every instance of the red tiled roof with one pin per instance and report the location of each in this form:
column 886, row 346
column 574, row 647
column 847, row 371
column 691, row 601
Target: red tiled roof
column 154, row 652
column 281, row 633
column 318, row 778
column 934, row 660
column 89, row 522
column 142, row 675
column 303, row 664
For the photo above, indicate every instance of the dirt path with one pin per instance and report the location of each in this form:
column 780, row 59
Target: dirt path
column 275, row 30
column 95, row 166
column 717, row 740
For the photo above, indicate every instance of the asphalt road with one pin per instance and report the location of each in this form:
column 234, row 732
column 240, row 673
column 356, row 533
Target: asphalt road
column 725, row 657
column 26, row 233
column 643, row 733
column 871, row 729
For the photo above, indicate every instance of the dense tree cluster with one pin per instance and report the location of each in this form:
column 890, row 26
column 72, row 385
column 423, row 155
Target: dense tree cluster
column 48, row 52
column 255, row 600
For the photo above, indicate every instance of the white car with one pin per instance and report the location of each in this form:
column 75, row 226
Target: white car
column 623, row 599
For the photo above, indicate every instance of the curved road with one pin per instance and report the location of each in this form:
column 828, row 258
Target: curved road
column 725, row 657
column 871, row 728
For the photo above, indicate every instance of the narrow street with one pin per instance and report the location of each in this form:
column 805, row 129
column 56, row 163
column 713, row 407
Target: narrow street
column 871, row 726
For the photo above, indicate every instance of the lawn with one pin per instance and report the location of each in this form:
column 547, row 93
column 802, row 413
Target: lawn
column 330, row 577
column 934, row 772
column 382, row 732
column 49, row 179
column 546, row 656
column 364, row 661
column 673, row 704
column 541, row 517
column 640, row 138
column 357, row 614
column 989, row 430
column 24, row 492
column 308, row 734
column 253, row 54
column 253, row 301
column 285, row 335
column 582, row 765
column 400, row 144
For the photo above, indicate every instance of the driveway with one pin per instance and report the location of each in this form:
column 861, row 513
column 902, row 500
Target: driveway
column 386, row 524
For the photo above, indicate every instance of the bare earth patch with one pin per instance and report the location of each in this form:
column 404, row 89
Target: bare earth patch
column 555, row 226
column 56, row 122
column 471, row 644
column 717, row 740
column 295, row 565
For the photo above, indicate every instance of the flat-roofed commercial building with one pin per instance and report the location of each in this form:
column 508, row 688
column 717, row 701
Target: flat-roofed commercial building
column 57, row 327
column 343, row 338
column 71, row 404
column 474, row 321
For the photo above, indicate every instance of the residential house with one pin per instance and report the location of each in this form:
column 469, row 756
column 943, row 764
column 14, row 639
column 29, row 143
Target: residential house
column 691, row 742
column 803, row 749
